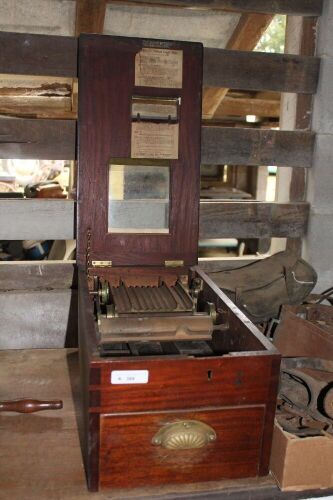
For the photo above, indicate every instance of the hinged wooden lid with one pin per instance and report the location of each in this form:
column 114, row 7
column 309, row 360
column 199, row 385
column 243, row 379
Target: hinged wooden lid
column 139, row 151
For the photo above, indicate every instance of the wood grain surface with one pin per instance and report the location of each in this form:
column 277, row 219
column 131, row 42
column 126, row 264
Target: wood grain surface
column 248, row 146
column 30, row 54
column 126, row 445
column 296, row 7
column 40, row 453
column 41, row 139
column 107, row 84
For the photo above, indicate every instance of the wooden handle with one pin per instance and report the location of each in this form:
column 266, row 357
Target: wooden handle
column 29, row 405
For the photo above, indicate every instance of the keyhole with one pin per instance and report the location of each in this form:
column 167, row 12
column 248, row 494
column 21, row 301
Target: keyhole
column 210, row 374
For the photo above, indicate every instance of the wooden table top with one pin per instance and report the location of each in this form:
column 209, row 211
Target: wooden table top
column 40, row 455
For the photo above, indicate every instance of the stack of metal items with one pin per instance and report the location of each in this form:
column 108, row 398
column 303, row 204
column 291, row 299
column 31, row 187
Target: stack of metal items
column 304, row 337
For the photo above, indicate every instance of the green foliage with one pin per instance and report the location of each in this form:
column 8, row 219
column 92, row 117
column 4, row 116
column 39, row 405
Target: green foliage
column 274, row 37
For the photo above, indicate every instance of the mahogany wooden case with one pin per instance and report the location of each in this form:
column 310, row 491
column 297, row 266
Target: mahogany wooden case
column 107, row 85
column 232, row 391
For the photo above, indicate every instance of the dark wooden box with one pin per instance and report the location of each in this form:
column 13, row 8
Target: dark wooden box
column 233, row 390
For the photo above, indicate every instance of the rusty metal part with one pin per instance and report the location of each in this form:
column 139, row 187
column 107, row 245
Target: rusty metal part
column 196, row 288
column 319, row 364
column 328, row 402
column 210, row 309
column 294, row 389
column 29, row 405
column 104, row 292
column 308, row 389
column 177, row 327
column 150, row 299
column 299, row 422
column 305, row 330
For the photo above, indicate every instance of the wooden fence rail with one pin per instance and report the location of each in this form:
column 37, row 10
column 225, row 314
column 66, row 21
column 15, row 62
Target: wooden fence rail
column 57, row 56
column 55, row 219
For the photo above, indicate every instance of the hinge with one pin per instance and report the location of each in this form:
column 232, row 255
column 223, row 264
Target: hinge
column 101, row 263
column 174, row 263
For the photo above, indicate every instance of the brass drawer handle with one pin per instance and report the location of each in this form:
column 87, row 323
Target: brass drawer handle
column 184, row 434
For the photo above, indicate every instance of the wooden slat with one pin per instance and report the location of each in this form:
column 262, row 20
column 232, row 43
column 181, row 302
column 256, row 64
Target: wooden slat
column 252, row 219
column 249, row 146
column 245, row 36
column 296, row 7
column 260, row 71
column 54, row 219
column 90, row 16
column 34, row 276
column 42, row 139
column 25, row 54
column 38, row 319
column 239, row 106
column 31, row 219
column 55, row 139
column 56, row 56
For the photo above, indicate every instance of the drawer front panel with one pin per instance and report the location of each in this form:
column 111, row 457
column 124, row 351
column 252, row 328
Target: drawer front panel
column 185, row 383
column 128, row 458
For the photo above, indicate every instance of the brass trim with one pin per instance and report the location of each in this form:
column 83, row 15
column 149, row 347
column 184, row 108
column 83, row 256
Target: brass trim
column 174, row 263
column 101, row 263
column 184, row 434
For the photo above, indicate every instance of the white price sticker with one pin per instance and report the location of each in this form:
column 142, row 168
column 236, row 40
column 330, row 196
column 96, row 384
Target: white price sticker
column 129, row 377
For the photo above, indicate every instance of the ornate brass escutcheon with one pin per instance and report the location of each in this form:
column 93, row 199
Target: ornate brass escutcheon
column 184, row 434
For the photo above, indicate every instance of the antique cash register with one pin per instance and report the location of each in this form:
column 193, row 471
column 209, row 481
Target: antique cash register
column 177, row 385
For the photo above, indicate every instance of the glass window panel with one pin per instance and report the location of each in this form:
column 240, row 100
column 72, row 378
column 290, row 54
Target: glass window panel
column 138, row 199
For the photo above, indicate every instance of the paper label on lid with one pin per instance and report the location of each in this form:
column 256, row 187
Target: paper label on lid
column 155, row 67
column 129, row 377
column 155, row 140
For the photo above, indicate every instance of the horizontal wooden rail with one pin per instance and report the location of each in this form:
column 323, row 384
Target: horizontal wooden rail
column 30, row 219
column 47, row 275
column 27, row 54
column 253, row 219
column 239, row 69
column 54, row 219
column 295, row 7
column 55, row 139
column 57, row 56
column 39, row 139
column 250, row 146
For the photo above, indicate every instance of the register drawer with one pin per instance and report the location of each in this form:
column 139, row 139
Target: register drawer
column 128, row 457
column 184, row 383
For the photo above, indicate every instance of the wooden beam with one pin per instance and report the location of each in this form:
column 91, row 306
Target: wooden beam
column 25, row 54
column 245, row 36
column 56, row 56
column 90, row 15
column 240, row 106
column 32, row 219
column 252, row 219
column 260, row 71
column 40, row 139
column 54, row 219
column 26, row 275
column 248, row 31
column 293, row 7
column 55, row 139
column 249, row 146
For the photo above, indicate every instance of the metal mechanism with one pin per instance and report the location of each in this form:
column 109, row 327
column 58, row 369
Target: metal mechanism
column 141, row 313
column 306, row 401
column 186, row 434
